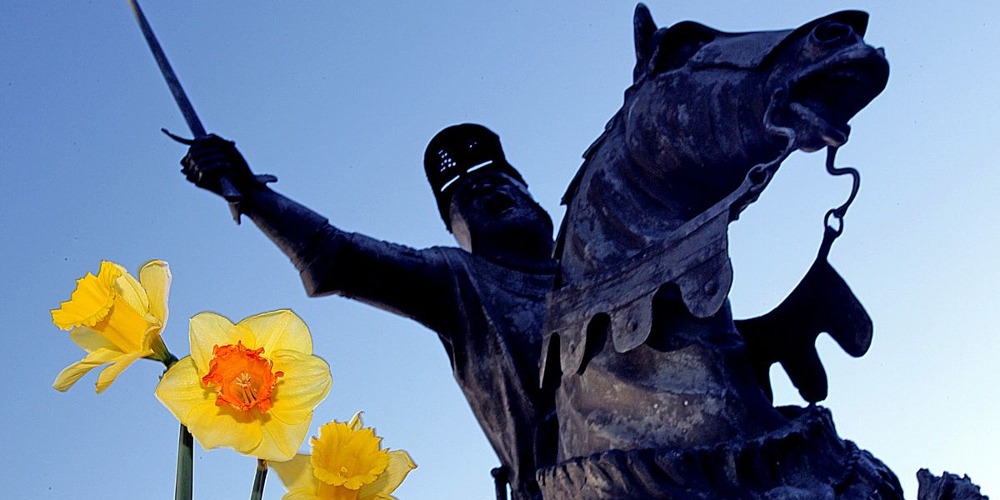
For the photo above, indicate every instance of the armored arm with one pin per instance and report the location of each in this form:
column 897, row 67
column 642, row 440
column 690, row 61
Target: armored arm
column 409, row 282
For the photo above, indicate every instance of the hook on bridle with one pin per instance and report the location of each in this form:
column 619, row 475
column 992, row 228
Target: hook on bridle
column 839, row 212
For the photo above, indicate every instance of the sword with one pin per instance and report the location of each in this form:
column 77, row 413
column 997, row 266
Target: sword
column 229, row 192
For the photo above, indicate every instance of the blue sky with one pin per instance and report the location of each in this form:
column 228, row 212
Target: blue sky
column 338, row 99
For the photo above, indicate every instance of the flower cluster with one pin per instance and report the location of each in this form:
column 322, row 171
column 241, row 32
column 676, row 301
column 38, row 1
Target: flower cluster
column 251, row 386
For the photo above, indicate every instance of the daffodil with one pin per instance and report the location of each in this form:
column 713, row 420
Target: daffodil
column 347, row 463
column 116, row 319
column 251, row 386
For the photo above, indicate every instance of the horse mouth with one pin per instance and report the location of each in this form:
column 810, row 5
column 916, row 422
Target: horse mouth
column 823, row 98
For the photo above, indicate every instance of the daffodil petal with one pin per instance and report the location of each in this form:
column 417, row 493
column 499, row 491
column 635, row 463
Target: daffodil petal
column 72, row 373
column 356, row 424
column 331, row 492
column 131, row 291
column 154, row 276
column 400, row 464
column 152, row 341
column 90, row 301
column 109, row 374
column 296, row 473
column 89, row 340
column 302, row 494
column 305, row 383
column 223, row 426
column 280, row 441
column 280, row 330
column 181, row 391
column 208, row 330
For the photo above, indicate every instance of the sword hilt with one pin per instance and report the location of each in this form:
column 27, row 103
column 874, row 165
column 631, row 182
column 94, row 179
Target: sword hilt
column 226, row 187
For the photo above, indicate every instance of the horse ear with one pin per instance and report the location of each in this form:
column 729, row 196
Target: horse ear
column 644, row 28
column 673, row 46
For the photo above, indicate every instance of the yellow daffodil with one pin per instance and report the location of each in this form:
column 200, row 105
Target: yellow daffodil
column 116, row 319
column 347, row 463
column 251, row 386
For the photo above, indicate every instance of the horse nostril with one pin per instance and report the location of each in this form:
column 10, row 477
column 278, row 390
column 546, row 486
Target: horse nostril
column 831, row 31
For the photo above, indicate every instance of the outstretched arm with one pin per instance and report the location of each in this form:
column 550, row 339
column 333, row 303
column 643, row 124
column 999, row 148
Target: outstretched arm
column 397, row 278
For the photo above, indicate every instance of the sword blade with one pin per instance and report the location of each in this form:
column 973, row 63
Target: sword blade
column 168, row 73
column 229, row 192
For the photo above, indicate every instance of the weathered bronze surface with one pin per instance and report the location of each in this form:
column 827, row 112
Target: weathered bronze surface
column 659, row 389
column 485, row 301
column 947, row 487
column 615, row 370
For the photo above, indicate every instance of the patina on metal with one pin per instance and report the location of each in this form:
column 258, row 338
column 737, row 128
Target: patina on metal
column 616, row 370
column 821, row 303
column 661, row 394
column 485, row 300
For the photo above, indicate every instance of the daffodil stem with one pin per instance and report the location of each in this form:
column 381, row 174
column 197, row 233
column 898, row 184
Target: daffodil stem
column 170, row 360
column 185, row 466
column 258, row 480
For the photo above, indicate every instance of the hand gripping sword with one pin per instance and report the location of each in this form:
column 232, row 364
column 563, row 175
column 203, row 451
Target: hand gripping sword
column 229, row 192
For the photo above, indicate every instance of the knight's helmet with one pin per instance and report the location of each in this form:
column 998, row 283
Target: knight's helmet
column 456, row 153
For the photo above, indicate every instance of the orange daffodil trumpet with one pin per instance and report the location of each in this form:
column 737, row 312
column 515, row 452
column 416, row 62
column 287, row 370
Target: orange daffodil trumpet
column 347, row 463
column 251, row 386
column 116, row 319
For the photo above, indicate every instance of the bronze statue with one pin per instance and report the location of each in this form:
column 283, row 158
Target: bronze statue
column 615, row 369
column 485, row 300
column 658, row 396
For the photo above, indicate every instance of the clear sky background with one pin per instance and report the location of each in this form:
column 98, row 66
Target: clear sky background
column 338, row 99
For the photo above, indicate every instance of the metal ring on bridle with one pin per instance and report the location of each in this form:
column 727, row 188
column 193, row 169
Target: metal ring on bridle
column 832, row 213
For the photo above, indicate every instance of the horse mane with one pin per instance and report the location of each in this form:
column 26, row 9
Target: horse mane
column 588, row 156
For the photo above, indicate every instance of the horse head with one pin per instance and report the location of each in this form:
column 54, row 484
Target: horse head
column 704, row 109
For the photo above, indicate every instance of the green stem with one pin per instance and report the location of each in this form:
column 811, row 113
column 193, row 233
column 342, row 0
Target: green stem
column 170, row 360
column 258, row 480
column 184, row 483
column 185, row 466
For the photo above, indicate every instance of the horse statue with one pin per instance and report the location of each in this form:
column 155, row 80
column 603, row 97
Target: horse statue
column 657, row 393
